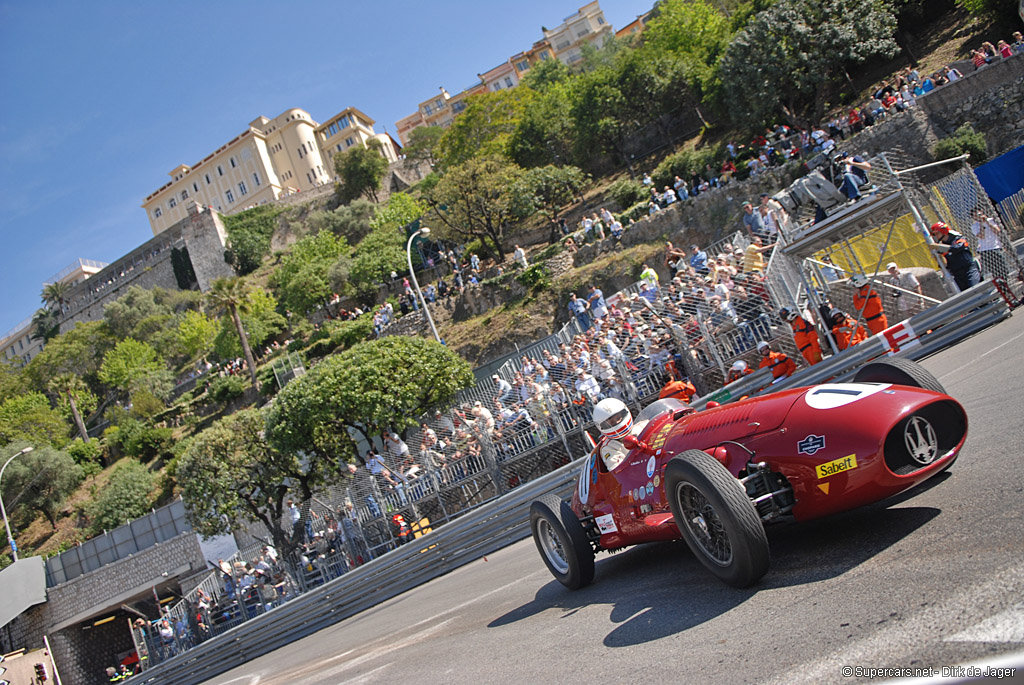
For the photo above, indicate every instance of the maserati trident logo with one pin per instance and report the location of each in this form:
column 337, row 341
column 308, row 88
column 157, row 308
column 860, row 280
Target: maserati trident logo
column 919, row 437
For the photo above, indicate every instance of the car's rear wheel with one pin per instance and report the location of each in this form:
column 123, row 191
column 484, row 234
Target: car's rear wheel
column 899, row 372
column 716, row 518
column 562, row 542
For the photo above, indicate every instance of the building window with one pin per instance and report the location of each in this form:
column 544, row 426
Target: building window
column 230, row 196
column 545, row 55
column 563, row 45
column 256, row 179
column 232, row 160
column 308, row 177
column 439, row 103
column 242, row 189
column 172, row 203
column 300, row 153
column 600, row 21
column 220, row 170
column 195, row 187
column 158, row 212
column 184, row 194
column 458, row 106
column 580, row 34
column 509, row 82
column 428, row 110
column 208, row 181
column 349, row 142
column 523, row 66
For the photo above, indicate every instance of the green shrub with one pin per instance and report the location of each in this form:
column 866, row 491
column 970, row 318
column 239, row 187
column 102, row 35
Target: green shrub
column 126, row 496
column 964, row 141
column 226, row 388
column 85, row 452
column 535, row 277
column 626, row 192
column 636, row 212
column 685, row 164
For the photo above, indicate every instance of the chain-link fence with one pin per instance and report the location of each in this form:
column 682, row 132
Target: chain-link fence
column 530, row 417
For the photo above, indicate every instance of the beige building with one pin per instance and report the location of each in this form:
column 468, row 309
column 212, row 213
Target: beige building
column 19, row 344
column 636, row 26
column 289, row 154
column 587, row 25
column 564, row 42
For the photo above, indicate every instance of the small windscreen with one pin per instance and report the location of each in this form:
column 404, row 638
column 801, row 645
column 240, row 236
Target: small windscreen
column 614, row 420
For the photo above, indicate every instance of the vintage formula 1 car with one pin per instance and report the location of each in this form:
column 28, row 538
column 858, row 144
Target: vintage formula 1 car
column 715, row 477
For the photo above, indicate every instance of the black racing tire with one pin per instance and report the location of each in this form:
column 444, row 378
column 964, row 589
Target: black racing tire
column 899, row 372
column 716, row 518
column 562, row 542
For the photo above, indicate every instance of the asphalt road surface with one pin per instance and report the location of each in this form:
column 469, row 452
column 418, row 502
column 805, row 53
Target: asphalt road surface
column 926, row 581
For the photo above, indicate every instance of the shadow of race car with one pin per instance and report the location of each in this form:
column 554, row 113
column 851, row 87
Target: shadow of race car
column 715, row 477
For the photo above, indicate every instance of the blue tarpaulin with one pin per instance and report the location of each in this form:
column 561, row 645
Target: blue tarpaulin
column 1004, row 175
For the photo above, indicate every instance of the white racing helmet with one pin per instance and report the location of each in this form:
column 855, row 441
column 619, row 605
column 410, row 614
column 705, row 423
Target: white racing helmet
column 858, row 280
column 787, row 314
column 612, row 418
column 762, row 346
column 739, row 366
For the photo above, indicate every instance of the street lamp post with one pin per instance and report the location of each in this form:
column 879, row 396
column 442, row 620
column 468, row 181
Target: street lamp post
column 3, row 511
column 412, row 272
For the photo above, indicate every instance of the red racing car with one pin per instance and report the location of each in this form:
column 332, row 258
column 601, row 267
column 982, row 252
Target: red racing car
column 715, row 477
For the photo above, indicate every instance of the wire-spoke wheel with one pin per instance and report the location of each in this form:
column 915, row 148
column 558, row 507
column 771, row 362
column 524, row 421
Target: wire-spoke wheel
column 562, row 542
column 716, row 518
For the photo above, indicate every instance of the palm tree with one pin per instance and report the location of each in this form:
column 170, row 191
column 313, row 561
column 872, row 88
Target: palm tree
column 232, row 295
column 55, row 294
column 46, row 323
column 69, row 385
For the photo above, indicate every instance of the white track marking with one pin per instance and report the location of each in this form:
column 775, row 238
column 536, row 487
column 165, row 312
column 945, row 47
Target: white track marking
column 961, row 367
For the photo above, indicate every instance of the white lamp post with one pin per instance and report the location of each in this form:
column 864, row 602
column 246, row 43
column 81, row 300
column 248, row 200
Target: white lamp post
column 7, row 524
column 408, row 255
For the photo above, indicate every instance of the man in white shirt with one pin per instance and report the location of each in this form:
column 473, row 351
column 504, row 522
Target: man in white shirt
column 905, row 302
column 990, row 245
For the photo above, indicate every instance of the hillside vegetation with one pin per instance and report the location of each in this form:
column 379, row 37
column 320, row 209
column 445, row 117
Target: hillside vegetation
column 175, row 385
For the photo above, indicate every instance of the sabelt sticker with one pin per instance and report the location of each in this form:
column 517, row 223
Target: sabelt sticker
column 811, row 444
column 650, row 467
column 847, row 463
column 606, row 523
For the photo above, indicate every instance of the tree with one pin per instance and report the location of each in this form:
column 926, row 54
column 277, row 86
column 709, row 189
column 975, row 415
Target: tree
column 423, row 145
column 482, row 198
column 484, row 127
column 791, row 57
column 351, row 222
column 73, row 392
column 361, row 170
column 301, row 280
column 195, row 334
column 128, row 363
column 45, row 324
column 13, row 380
column 40, row 480
column 78, row 351
column 249, row 235
column 55, row 294
column 231, row 295
column 127, row 496
column 553, row 188
column 231, row 476
column 133, row 314
column 260, row 321
column 696, row 33
column 545, row 132
column 374, row 387
column 544, row 75
column 383, row 250
column 30, row 417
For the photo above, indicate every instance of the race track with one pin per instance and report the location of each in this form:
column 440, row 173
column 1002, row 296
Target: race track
column 926, row 581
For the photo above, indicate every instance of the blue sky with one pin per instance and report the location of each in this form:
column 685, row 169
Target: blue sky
column 101, row 100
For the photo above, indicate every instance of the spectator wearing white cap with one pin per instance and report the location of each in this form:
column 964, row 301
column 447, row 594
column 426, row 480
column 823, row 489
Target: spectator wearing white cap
column 504, row 392
column 906, row 281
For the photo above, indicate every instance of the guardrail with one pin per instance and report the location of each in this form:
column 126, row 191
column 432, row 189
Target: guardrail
column 476, row 534
column 504, row 520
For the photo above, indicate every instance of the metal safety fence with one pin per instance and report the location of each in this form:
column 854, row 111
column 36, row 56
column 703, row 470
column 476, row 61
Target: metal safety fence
column 529, row 420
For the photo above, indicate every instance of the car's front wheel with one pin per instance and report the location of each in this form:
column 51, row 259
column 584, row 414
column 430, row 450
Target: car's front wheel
column 562, row 542
column 716, row 518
